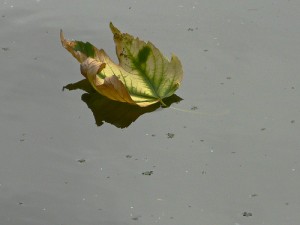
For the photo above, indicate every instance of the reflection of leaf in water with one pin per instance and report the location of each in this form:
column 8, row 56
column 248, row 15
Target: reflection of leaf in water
column 81, row 85
column 116, row 113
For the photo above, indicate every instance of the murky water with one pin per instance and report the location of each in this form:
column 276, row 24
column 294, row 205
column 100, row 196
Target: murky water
column 227, row 154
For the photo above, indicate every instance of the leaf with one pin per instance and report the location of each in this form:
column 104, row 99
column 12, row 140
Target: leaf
column 142, row 77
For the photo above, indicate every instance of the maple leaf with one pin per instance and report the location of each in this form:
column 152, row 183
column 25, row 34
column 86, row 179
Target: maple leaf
column 142, row 77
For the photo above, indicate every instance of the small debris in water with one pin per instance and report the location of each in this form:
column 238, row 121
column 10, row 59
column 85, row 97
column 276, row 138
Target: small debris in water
column 81, row 160
column 128, row 156
column 247, row 214
column 148, row 173
column 23, row 135
column 170, row 135
column 135, row 218
column 192, row 29
column 194, row 108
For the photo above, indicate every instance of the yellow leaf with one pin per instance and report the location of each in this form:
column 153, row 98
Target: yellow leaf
column 142, row 77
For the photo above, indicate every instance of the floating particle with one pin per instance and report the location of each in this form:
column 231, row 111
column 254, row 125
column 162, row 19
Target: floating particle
column 247, row 214
column 148, row 173
column 81, row 160
column 170, row 135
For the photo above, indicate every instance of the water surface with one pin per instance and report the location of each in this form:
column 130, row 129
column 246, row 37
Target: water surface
column 228, row 153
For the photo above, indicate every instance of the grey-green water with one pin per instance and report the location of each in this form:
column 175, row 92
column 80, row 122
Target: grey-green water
column 233, row 161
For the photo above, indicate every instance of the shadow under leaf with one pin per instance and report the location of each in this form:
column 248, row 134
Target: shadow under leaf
column 116, row 113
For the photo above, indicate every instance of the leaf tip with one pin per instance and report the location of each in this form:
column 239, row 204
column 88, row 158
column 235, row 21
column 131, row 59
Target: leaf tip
column 62, row 37
column 113, row 29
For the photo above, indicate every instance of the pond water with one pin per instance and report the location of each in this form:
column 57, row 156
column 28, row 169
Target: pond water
column 227, row 154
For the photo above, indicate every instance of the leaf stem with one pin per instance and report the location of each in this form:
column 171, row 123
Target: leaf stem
column 163, row 104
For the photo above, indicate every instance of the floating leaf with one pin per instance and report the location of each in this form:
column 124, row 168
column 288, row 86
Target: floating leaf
column 142, row 77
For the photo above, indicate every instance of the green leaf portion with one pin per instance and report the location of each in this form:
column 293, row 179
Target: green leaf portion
column 143, row 55
column 85, row 48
